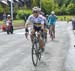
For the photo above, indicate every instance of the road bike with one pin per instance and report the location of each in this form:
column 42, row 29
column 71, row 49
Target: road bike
column 36, row 50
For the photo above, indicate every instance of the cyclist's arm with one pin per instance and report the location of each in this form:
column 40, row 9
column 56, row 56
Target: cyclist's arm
column 55, row 18
column 42, row 24
column 28, row 22
column 26, row 25
column 49, row 18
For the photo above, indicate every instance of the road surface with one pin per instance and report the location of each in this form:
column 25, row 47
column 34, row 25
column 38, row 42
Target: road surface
column 70, row 60
column 15, row 51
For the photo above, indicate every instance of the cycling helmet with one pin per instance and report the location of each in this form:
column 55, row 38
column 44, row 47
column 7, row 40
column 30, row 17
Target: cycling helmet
column 35, row 9
column 8, row 15
column 52, row 12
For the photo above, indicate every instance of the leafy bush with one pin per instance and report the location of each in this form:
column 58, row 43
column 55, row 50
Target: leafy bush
column 21, row 14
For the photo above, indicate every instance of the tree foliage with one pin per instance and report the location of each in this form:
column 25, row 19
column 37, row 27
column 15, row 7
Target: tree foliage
column 61, row 7
column 47, row 5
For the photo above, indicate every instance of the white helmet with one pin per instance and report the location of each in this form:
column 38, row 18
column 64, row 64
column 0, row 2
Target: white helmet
column 8, row 15
column 52, row 12
column 35, row 9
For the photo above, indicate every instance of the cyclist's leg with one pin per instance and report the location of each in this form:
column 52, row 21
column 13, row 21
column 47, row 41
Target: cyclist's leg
column 32, row 34
column 45, row 31
column 54, row 30
column 45, row 28
column 41, row 43
column 49, row 29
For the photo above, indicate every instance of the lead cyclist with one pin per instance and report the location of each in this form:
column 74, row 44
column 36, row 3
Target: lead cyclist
column 36, row 20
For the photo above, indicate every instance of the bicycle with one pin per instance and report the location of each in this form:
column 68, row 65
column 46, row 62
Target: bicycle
column 36, row 50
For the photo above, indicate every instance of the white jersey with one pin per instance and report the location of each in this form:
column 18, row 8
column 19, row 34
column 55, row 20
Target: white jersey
column 44, row 18
column 34, row 20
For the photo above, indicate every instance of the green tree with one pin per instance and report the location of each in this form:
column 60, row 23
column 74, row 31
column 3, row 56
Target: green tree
column 1, row 9
column 57, row 8
column 34, row 3
column 47, row 5
column 63, row 10
column 71, row 8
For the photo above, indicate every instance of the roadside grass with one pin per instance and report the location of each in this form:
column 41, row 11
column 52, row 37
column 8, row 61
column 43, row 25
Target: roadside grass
column 65, row 17
column 15, row 22
column 18, row 22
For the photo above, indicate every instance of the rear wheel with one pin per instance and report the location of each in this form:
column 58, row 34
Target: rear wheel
column 52, row 35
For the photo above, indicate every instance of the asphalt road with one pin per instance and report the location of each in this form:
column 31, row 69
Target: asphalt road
column 70, row 60
column 15, row 51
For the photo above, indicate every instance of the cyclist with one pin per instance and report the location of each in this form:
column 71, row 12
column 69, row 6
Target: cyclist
column 44, row 18
column 73, row 22
column 9, row 24
column 45, row 26
column 51, row 21
column 38, row 24
column 8, row 20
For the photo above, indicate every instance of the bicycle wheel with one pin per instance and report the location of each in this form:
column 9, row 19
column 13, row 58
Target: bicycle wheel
column 35, row 55
column 52, row 35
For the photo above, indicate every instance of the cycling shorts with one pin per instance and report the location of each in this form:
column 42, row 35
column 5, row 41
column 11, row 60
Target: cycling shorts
column 37, row 28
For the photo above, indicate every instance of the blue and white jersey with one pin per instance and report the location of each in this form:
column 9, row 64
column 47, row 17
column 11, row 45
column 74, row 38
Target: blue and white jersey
column 35, row 20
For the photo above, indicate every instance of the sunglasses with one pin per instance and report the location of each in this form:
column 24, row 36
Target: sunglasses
column 35, row 12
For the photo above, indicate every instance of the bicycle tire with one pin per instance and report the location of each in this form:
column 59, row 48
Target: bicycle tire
column 52, row 35
column 34, row 49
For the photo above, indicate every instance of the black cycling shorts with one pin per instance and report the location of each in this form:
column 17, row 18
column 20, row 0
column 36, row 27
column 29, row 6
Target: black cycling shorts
column 37, row 28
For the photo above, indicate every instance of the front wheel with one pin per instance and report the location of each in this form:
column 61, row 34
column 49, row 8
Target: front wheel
column 34, row 54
